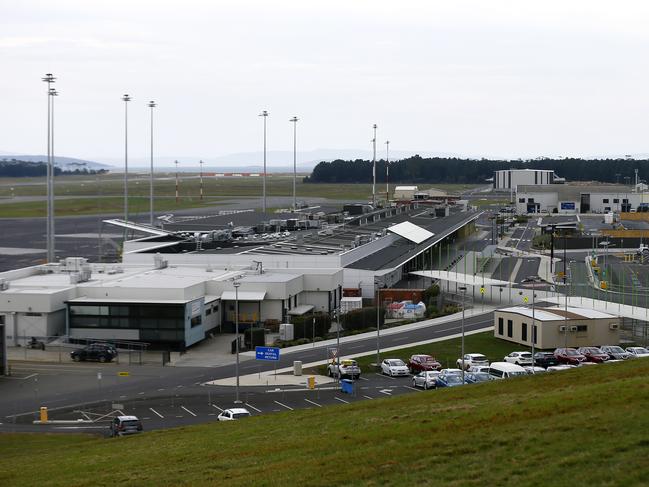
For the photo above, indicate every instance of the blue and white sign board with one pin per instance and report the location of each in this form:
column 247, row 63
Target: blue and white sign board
column 267, row 353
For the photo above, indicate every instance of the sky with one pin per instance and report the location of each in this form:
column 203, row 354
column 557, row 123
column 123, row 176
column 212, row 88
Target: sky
column 476, row 78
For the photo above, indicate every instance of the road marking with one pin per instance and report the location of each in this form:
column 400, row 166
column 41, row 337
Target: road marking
column 398, row 339
column 341, row 400
column 179, row 416
column 314, row 403
column 363, row 378
column 253, row 407
column 211, row 414
column 188, row 411
column 122, row 397
column 283, row 405
column 160, row 390
column 368, row 397
column 387, row 392
column 357, row 346
column 146, row 417
column 79, row 427
column 386, row 376
column 156, row 412
column 412, row 388
column 140, row 393
column 215, row 406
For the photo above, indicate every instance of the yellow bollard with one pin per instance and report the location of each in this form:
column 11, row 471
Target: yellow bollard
column 311, row 382
column 43, row 414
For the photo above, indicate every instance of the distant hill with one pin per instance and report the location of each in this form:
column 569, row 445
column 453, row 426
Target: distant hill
column 65, row 163
column 14, row 168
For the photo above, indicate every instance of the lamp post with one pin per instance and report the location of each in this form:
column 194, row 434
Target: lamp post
column 374, row 167
column 126, row 98
column 236, row 285
column 49, row 225
column 50, row 191
column 176, row 163
column 378, row 323
column 263, row 203
column 294, row 120
column 201, row 177
column 462, row 289
column 151, row 105
column 387, row 170
column 533, row 280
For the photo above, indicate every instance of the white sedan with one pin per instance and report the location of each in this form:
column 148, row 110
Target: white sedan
column 519, row 358
column 472, row 359
column 233, row 414
column 638, row 352
column 394, row 367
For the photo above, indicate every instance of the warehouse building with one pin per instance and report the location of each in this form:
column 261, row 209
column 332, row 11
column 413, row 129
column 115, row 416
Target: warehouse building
column 510, row 179
column 555, row 327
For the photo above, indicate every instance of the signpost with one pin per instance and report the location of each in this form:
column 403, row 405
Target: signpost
column 268, row 354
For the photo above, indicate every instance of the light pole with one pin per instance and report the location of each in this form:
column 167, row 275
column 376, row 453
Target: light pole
column 49, row 225
column 176, row 163
column 378, row 323
column 151, row 105
column 462, row 289
column 201, row 177
column 263, row 203
column 50, row 191
column 533, row 280
column 374, row 167
column 126, row 98
column 387, row 170
column 236, row 285
column 294, row 120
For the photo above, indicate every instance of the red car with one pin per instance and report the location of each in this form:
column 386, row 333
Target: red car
column 593, row 354
column 569, row 356
column 419, row 363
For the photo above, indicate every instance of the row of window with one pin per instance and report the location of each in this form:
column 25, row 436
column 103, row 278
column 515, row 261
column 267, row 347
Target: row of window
column 140, row 310
column 128, row 323
column 510, row 330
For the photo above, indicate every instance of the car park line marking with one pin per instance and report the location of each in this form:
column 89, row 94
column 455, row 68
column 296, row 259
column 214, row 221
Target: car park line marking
column 179, row 416
column 363, row 378
column 314, row 403
column 156, row 412
column 341, row 400
column 283, row 405
column 412, row 388
column 122, row 397
column 188, row 411
column 142, row 418
column 160, row 390
column 387, row 392
column 140, row 393
column 368, row 397
column 216, row 407
column 211, row 414
column 253, row 407
column 386, row 376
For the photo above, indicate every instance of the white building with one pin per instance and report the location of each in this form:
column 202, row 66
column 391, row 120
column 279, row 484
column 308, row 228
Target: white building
column 510, row 179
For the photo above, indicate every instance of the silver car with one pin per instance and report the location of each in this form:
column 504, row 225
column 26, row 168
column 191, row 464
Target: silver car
column 425, row 379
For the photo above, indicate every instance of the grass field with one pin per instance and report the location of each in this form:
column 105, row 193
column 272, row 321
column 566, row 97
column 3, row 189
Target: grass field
column 586, row 426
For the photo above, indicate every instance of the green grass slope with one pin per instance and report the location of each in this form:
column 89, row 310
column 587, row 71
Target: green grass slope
column 588, row 426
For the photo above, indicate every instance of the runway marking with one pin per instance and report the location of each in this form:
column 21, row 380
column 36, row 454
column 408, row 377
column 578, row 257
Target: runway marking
column 215, row 406
column 386, row 376
column 188, row 411
column 412, row 388
column 368, row 397
column 253, row 407
column 341, row 400
column 314, row 403
column 156, row 412
column 283, row 405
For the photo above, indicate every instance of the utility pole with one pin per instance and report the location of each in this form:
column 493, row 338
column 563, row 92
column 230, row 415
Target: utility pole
column 151, row 105
column 387, row 170
column 294, row 120
column 126, row 98
column 263, row 205
column 201, row 177
column 176, row 163
column 374, row 167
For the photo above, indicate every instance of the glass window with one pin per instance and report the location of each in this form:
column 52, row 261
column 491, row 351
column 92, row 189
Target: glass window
column 196, row 321
column 534, row 332
column 510, row 328
column 582, row 328
column 524, row 332
column 500, row 326
column 616, row 200
column 605, row 200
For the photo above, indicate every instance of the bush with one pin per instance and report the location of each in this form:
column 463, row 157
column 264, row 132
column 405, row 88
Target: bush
column 303, row 325
column 430, row 293
column 360, row 319
column 449, row 309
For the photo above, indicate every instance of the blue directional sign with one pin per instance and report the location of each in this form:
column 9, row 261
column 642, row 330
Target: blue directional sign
column 267, row 353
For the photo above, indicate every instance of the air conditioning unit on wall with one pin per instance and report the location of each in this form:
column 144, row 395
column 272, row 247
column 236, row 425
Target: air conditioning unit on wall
column 614, row 326
column 562, row 328
column 573, row 328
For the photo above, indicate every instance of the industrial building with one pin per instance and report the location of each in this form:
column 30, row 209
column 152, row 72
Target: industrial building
column 511, row 179
column 556, row 327
column 573, row 199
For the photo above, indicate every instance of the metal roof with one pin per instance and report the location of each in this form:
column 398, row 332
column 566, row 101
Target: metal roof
column 243, row 296
column 558, row 313
column 411, row 232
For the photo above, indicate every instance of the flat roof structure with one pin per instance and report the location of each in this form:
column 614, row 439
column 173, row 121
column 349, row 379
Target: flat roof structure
column 411, row 232
column 557, row 313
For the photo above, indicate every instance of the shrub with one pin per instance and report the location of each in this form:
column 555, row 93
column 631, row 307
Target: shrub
column 303, row 325
column 430, row 293
column 360, row 319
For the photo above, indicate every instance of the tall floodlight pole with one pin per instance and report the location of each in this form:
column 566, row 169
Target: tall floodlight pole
column 463, row 291
column 53, row 93
column 387, row 170
column 151, row 105
column 126, row 98
column 236, row 285
column 176, row 163
column 374, row 167
column 201, row 177
column 263, row 203
column 49, row 79
column 294, row 120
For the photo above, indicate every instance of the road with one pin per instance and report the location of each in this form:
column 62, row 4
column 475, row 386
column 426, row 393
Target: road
column 67, row 387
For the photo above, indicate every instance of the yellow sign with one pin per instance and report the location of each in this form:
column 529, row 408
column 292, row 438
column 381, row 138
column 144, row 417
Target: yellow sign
column 123, row 374
column 482, row 290
column 526, row 299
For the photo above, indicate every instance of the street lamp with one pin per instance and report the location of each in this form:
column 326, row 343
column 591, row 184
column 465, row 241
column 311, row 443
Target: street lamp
column 462, row 289
column 378, row 322
column 49, row 79
column 151, row 105
column 50, row 191
column 265, row 115
column 294, row 120
column 201, row 177
column 387, row 170
column 176, row 163
column 126, row 98
column 236, row 285
column 532, row 280
column 374, row 167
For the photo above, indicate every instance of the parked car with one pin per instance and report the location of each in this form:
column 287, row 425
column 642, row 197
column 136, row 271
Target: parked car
column 425, row 379
column 451, row 371
column 545, row 359
column 593, row 354
column 479, row 368
column 233, row 414
column 394, row 366
column 96, row 351
column 125, row 425
column 615, row 352
column 348, row 368
column 475, row 377
column 448, row 380
column 569, row 356
column 505, row 370
column 519, row 358
column 638, row 352
column 558, row 368
column 471, row 359
column 419, row 363
column 533, row 369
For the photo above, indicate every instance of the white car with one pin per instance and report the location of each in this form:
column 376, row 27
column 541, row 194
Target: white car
column 479, row 368
column 451, row 371
column 519, row 358
column 534, row 370
column 233, row 414
column 557, row 368
column 638, row 352
column 394, row 367
column 425, row 379
column 471, row 359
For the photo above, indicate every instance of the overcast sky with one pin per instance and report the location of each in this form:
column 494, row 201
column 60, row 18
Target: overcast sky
column 480, row 78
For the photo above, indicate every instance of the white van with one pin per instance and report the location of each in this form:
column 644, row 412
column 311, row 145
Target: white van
column 505, row 370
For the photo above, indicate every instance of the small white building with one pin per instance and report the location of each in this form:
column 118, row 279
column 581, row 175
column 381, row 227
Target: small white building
column 573, row 199
column 553, row 327
column 405, row 192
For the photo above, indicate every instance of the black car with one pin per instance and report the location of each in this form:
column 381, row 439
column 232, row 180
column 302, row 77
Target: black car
column 96, row 351
column 545, row 359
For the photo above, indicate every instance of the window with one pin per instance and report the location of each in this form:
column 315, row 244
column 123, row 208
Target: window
column 196, row 321
column 208, row 311
column 500, row 326
column 625, row 200
column 530, row 200
column 605, row 200
column 616, row 200
column 2, row 319
column 33, row 314
column 524, row 332
column 534, row 332
column 582, row 328
column 607, row 208
column 521, row 200
column 510, row 328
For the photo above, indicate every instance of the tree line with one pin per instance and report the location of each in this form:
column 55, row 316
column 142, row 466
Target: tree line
column 15, row 168
column 418, row 169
